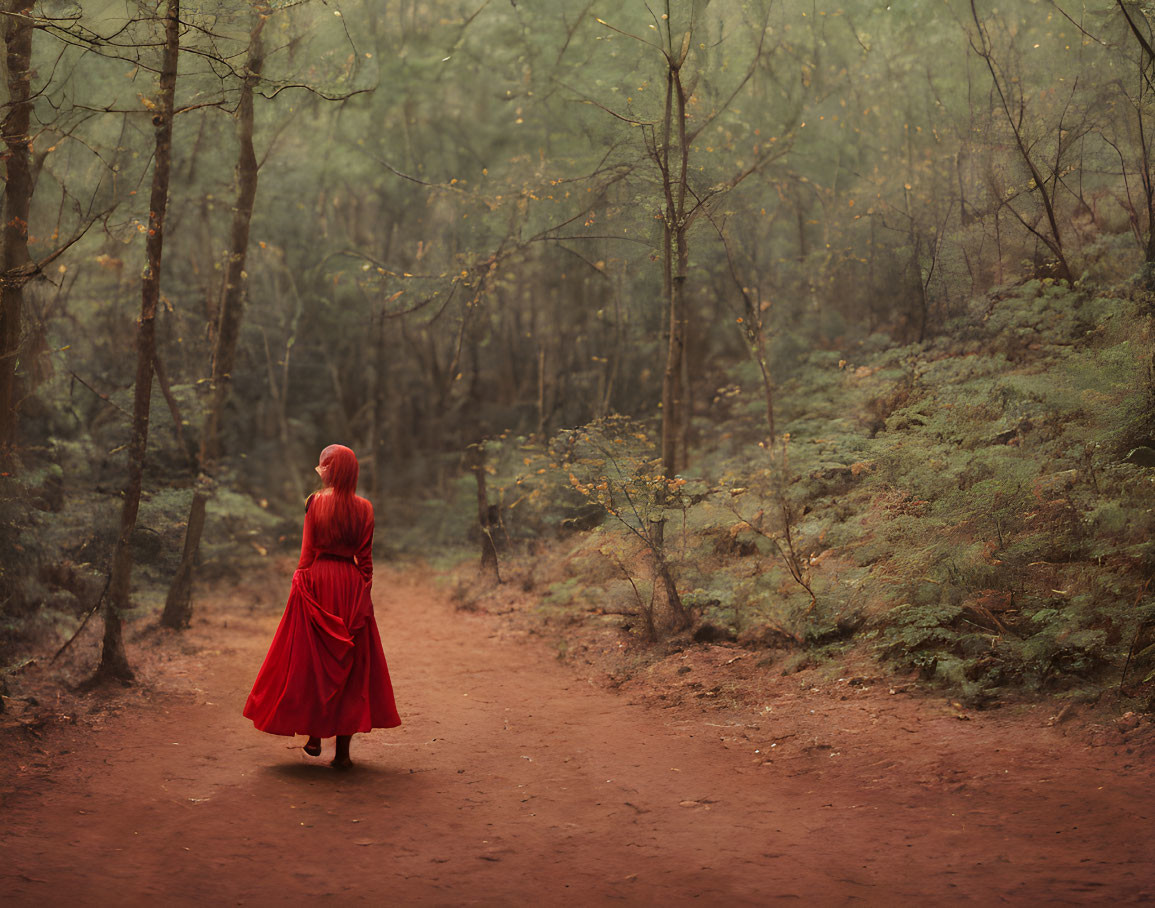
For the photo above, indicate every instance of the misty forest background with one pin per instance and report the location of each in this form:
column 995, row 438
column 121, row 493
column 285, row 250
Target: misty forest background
column 811, row 327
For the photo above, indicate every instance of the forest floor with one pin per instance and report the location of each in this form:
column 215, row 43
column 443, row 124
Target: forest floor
column 521, row 777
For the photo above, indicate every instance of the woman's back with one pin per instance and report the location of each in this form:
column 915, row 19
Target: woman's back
column 339, row 528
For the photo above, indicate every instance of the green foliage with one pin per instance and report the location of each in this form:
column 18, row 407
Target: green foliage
column 528, row 484
column 984, row 525
column 722, row 604
column 917, row 629
column 564, row 592
column 950, row 643
column 976, row 497
column 611, row 463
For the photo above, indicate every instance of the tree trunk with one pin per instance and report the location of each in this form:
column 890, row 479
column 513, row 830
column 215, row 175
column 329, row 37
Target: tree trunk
column 676, row 256
column 113, row 659
column 680, row 618
column 379, row 414
column 1054, row 242
column 1148, row 180
column 17, row 203
column 178, row 603
column 672, row 383
column 1149, row 251
column 476, row 457
column 541, row 417
column 685, row 387
column 754, row 333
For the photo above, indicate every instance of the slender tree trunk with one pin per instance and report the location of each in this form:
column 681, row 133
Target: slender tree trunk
column 18, row 187
column 682, row 400
column 113, row 659
column 1148, row 180
column 614, row 362
column 173, row 406
column 676, row 256
column 476, row 460
column 284, row 431
column 380, row 425
column 767, row 380
column 1053, row 241
column 178, row 604
column 680, row 618
column 754, row 333
column 541, row 415
column 379, row 414
column 1148, row 61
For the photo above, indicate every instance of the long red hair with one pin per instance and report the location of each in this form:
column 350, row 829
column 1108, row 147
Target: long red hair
column 337, row 516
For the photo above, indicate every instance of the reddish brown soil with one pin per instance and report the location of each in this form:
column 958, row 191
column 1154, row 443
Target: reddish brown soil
column 517, row 780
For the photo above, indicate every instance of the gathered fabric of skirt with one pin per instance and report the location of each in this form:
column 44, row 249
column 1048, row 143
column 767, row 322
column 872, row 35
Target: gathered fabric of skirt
column 325, row 673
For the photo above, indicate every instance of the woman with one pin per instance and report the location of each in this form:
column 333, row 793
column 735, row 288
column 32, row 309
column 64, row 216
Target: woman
column 325, row 674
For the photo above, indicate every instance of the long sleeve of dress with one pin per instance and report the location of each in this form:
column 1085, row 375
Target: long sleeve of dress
column 365, row 552
column 308, row 549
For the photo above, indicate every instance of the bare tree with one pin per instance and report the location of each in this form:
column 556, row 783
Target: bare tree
column 669, row 142
column 113, row 659
column 18, row 186
column 488, row 520
column 1013, row 104
column 1139, row 25
column 178, row 603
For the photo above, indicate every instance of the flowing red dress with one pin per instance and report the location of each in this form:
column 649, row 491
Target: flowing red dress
column 325, row 673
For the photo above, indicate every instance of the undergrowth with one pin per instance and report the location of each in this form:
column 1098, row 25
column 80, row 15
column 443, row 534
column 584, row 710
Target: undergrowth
column 976, row 509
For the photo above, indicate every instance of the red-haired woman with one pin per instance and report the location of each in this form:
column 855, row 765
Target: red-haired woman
column 325, row 674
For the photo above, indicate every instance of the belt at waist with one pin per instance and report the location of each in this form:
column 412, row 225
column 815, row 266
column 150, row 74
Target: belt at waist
column 335, row 557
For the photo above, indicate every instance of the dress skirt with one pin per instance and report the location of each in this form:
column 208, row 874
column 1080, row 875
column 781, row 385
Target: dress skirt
column 325, row 673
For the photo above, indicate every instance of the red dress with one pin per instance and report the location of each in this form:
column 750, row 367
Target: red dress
column 325, row 673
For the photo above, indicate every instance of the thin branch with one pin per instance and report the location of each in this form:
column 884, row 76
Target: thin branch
column 84, row 623
column 637, row 38
column 1134, row 26
column 316, row 91
column 753, row 68
column 103, row 397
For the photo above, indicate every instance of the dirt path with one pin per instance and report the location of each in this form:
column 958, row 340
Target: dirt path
column 515, row 781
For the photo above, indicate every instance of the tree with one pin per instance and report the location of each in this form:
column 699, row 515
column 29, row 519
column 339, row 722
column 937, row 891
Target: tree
column 18, row 186
column 1134, row 146
column 178, row 603
column 113, row 659
column 1012, row 102
column 669, row 139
